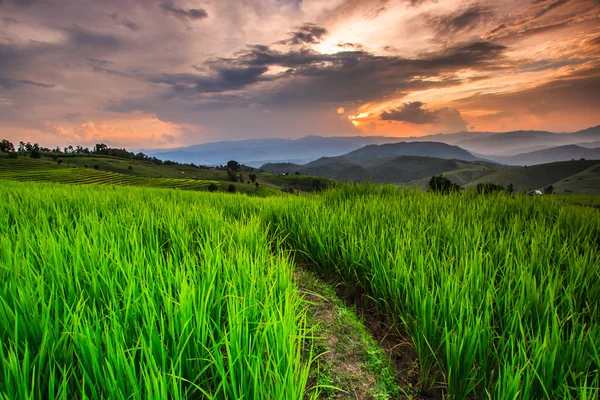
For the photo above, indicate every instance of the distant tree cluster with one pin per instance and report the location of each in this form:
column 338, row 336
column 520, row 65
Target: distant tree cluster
column 35, row 151
column 441, row 184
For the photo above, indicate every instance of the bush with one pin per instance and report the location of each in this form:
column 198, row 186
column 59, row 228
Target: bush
column 441, row 184
column 212, row 188
column 231, row 188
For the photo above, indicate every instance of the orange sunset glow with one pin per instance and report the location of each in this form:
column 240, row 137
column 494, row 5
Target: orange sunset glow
column 158, row 74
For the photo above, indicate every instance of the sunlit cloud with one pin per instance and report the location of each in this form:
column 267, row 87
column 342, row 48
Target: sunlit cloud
column 168, row 73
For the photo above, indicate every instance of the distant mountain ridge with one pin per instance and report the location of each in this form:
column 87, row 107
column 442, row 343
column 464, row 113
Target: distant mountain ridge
column 553, row 154
column 389, row 163
column 487, row 145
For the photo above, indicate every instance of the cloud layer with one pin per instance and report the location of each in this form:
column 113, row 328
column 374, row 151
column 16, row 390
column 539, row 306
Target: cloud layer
column 173, row 72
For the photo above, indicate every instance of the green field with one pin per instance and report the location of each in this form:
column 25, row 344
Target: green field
column 100, row 170
column 139, row 293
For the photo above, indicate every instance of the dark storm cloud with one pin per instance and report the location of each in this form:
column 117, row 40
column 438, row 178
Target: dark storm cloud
column 343, row 76
column 306, row 34
column 551, row 7
column 20, row 2
column 130, row 24
column 9, row 84
column 413, row 113
column 80, row 36
column 192, row 13
column 462, row 20
column 225, row 79
column 471, row 54
column 8, row 20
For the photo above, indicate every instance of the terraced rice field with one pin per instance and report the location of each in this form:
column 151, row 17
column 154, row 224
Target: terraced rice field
column 138, row 293
column 39, row 171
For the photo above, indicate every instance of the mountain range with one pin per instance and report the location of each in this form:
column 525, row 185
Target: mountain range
column 492, row 146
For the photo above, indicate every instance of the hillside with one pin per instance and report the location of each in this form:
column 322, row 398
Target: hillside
column 101, row 170
column 554, row 154
column 371, row 153
column 540, row 176
column 390, row 163
column 395, row 170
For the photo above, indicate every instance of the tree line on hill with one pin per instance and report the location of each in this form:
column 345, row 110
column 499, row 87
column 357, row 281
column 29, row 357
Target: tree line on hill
column 34, row 150
column 443, row 185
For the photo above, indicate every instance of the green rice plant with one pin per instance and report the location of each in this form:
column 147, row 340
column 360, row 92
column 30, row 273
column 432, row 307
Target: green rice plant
column 129, row 293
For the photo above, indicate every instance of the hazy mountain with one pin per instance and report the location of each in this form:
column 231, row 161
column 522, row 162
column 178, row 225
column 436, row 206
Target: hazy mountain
column 510, row 143
column 589, row 145
column 586, row 135
column 560, row 153
column 424, row 149
column 256, row 152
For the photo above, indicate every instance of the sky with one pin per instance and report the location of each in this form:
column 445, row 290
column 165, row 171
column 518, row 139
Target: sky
column 167, row 73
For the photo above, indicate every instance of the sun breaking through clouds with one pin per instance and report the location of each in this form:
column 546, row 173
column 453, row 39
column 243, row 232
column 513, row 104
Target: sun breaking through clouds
column 142, row 73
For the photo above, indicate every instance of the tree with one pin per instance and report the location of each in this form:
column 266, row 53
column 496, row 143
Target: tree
column 21, row 147
column 241, row 178
column 510, row 188
column 441, row 184
column 212, row 188
column 231, row 188
column 6, row 146
column 233, row 165
column 35, row 153
column 549, row 189
column 98, row 148
column 231, row 175
column 59, row 161
column 252, row 177
column 256, row 184
column 297, row 173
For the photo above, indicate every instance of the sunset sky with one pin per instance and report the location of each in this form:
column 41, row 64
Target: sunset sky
column 167, row 73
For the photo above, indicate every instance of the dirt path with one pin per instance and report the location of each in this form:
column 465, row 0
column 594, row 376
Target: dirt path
column 361, row 357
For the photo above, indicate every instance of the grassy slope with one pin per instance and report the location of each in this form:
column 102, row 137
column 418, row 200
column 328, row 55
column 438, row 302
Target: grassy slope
column 537, row 176
column 404, row 169
column 585, row 182
column 81, row 169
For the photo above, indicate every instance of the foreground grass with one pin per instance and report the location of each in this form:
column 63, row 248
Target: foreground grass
column 124, row 293
column 176, row 294
column 500, row 296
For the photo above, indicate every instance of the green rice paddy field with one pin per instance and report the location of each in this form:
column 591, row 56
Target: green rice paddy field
column 113, row 292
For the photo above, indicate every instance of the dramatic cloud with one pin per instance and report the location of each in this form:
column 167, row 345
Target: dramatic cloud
column 15, row 83
column 413, row 113
column 445, row 119
column 130, row 24
column 462, row 20
column 158, row 73
column 192, row 13
column 308, row 33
